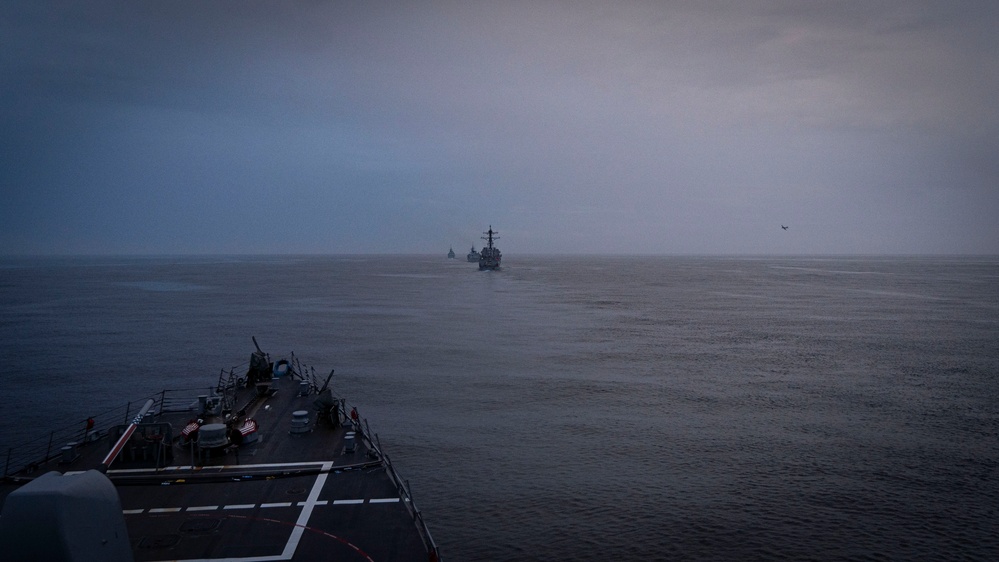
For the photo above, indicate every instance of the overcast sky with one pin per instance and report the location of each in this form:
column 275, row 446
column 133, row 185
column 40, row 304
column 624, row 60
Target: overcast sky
column 688, row 127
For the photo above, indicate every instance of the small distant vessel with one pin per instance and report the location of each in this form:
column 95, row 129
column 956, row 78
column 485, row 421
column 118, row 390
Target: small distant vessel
column 473, row 256
column 490, row 256
column 450, row 254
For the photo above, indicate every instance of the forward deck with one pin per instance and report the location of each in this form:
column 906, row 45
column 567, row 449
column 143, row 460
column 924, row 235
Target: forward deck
column 301, row 481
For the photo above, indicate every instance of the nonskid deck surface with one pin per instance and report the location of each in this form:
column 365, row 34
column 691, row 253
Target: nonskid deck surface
column 284, row 496
column 335, row 515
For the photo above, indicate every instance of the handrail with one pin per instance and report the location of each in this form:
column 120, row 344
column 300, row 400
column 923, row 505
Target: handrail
column 402, row 487
column 39, row 450
column 36, row 451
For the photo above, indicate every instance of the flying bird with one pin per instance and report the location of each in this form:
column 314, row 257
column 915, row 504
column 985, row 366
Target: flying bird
column 784, row 227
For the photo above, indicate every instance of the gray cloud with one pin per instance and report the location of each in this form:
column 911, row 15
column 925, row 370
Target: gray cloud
column 680, row 127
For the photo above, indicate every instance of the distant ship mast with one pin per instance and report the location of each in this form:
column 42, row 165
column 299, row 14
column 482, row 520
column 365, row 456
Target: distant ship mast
column 490, row 237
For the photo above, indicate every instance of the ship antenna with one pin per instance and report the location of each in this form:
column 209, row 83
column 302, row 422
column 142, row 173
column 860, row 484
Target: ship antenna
column 490, row 239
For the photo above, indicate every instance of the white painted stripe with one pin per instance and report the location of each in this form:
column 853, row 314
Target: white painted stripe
column 384, row 500
column 347, row 502
column 150, row 470
column 299, row 529
column 164, row 509
column 303, row 518
column 132, row 511
column 268, row 558
column 189, row 468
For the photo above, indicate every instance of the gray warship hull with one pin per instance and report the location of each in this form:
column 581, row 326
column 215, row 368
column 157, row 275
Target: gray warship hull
column 264, row 468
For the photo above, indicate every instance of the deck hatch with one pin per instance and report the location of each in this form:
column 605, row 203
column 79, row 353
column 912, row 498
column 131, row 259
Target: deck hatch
column 199, row 525
column 158, row 542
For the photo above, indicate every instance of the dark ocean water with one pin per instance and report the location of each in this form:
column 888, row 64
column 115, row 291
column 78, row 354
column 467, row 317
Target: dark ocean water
column 581, row 408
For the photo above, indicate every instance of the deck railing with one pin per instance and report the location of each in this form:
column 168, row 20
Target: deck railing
column 28, row 456
column 402, row 487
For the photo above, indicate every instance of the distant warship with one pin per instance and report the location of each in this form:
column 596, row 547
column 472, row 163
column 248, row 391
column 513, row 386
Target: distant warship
column 490, row 256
